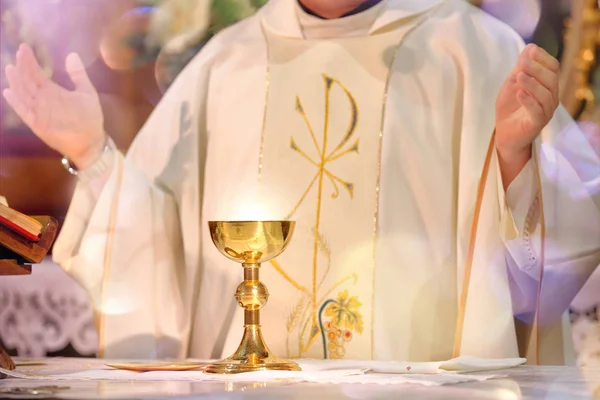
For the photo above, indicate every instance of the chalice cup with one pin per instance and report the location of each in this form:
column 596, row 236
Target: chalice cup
column 251, row 243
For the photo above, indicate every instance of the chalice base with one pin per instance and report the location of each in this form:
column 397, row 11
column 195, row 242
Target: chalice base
column 252, row 355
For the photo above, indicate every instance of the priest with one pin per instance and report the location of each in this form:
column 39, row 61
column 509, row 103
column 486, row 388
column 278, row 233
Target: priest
column 445, row 203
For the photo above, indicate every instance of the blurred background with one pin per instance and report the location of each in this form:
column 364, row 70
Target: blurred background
column 133, row 49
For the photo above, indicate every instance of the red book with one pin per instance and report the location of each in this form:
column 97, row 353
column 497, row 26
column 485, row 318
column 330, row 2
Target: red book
column 20, row 223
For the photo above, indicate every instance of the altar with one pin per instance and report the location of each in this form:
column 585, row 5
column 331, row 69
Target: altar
column 49, row 313
column 524, row 382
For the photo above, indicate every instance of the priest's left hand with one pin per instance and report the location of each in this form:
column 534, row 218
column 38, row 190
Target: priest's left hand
column 525, row 105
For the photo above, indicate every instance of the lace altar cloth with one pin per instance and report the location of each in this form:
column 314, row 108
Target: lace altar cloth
column 44, row 312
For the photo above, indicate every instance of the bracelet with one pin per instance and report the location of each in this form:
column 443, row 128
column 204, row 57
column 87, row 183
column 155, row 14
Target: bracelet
column 69, row 167
column 97, row 168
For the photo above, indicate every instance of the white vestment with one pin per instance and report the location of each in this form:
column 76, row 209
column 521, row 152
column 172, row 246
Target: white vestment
column 371, row 131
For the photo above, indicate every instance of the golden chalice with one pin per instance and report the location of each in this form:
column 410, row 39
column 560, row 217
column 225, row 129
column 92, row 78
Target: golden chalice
column 251, row 243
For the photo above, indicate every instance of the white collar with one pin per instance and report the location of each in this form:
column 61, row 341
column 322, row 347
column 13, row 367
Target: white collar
column 280, row 16
column 350, row 26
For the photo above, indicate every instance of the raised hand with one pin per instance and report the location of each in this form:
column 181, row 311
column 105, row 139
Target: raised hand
column 526, row 103
column 69, row 121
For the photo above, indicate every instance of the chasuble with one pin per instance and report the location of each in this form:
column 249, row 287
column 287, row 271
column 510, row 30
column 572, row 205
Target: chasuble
column 372, row 132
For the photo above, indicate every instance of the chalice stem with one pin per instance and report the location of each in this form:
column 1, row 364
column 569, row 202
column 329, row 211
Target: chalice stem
column 251, row 277
column 251, row 271
column 252, row 348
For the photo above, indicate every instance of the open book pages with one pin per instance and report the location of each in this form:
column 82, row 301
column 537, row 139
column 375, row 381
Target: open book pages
column 20, row 223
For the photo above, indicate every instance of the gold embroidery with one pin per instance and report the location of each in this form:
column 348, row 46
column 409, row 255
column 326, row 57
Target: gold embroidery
column 344, row 318
column 325, row 249
column 288, row 278
column 322, row 170
column 294, row 316
column 338, row 284
column 264, row 122
column 309, row 306
column 319, row 243
column 344, row 312
column 538, row 304
column 294, row 320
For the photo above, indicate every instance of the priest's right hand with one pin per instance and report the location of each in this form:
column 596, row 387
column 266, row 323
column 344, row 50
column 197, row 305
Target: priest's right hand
column 69, row 121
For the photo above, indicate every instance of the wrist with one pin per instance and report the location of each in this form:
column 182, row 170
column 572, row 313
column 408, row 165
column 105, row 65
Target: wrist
column 97, row 168
column 512, row 155
column 101, row 166
column 89, row 157
column 511, row 163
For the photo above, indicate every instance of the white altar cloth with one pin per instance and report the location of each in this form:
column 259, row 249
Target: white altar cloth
column 314, row 371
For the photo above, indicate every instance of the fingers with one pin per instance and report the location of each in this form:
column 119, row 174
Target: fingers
column 17, row 86
column 22, row 89
column 538, row 92
column 25, row 76
column 546, row 77
column 540, row 55
column 24, row 111
column 530, row 104
column 536, row 74
column 26, row 58
column 77, row 73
